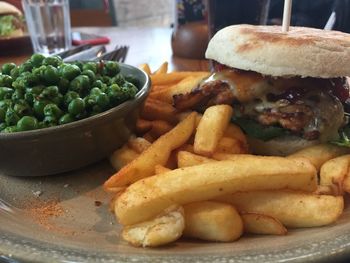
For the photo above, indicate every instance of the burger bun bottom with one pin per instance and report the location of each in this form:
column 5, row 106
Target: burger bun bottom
column 281, row 146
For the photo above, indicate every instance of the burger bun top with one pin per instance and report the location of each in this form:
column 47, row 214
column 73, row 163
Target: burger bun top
column 305, row 52
column 6, row 8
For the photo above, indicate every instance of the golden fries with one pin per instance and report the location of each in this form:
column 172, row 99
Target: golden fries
column 334, row 172
column 293, row 209
column 145, row 68
column 174, row 77
column 321, row 153
column 191, row 174
column 122, row 157
column 159, row 169
column 138, row 144
column 255, row 223
column 187, row 159
column 162, row 69
column 165, row 228
column 211, row 128
column 147, row 198
column 157, row 153
column 212, row 221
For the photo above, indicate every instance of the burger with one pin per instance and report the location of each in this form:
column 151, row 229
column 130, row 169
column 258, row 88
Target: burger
column 288, row 89
column 11, row 21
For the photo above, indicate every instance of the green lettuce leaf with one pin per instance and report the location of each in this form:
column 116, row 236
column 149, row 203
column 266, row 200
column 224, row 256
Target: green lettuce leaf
column 344, row 137
column 6, row 25
column 256, row 130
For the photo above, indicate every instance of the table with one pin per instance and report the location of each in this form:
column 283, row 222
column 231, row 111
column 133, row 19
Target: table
column 147, row 45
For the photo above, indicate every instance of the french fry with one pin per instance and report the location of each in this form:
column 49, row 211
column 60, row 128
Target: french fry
column 165, row 228
column 157, row 153
column 160, row 127
column 158, row 110
column 211, row 128
column 235, row 132
column 139, row 144
column 255, row 223
column 230, row 145
column 147, row 198
column 292, row 209
column 163, row 69
column 159, row 169
column 212, row 221
column 334, row 172
column 232, row 157
column 184, row 86
column 174, row 77
column 143, row 126
column 145, row 67
column 321, row 153
column 186, row 148
column 187, row 159
column 122, row 157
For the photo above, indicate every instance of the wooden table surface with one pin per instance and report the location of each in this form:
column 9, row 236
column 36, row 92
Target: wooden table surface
column 147, row 45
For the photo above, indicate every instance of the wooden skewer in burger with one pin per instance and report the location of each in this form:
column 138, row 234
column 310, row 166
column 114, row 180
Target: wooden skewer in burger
column 288, row 89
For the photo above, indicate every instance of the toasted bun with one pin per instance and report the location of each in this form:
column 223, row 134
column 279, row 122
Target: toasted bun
column 302, row 51
column 281, row 146
column 6, row 8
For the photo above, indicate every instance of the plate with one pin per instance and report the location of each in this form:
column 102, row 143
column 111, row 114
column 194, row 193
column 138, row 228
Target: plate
column 66, row 218
column 15, row 45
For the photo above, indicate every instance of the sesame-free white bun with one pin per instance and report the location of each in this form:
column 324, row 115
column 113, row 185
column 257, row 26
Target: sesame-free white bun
column 6, row 8
column 302, row 51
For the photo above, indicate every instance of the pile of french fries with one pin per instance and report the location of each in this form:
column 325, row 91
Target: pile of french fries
column 192, row 175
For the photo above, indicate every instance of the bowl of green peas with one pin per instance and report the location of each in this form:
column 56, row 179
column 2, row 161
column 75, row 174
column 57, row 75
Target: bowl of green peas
column 57, row 117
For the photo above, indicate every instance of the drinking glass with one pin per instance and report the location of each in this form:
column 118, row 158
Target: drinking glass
column 48, row 24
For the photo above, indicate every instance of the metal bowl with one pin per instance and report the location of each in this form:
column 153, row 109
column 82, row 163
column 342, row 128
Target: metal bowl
column 72, row 146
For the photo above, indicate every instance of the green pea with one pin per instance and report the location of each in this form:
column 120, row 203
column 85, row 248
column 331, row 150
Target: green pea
column 66, row 118
column 102, row 100
column 63, row 85
column 39, row 106
column 52, row 61
column 79, row 64
column 58, row 100
column 53, row 110
column 69, row 96
column 39, row 72
column 80, row 84
column 25, row 67
column 116, row 94
column 6, row 81
column 99, row 84
column 17, row 95
column 36, row 90
column 51, row 75
column 132, row 79
column 91, row 75
column 118, row 79
column 49, row 92
column 2, row 126
column 11, row 118
column 37, row 60
column 7, row 67
column 129, row 89
column 95, row 91
column 5, row 93
column 111, row 68
column 10, row 129
column 6, row 103
column 50, row 121
column 76, row 107
column 93, row 66
column 30, row 80
column 14, row 72
column 22, row 108
column 27, row 123
column 70, row 71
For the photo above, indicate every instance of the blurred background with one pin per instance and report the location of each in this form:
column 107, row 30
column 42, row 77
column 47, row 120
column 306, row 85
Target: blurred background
column 313, row 13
